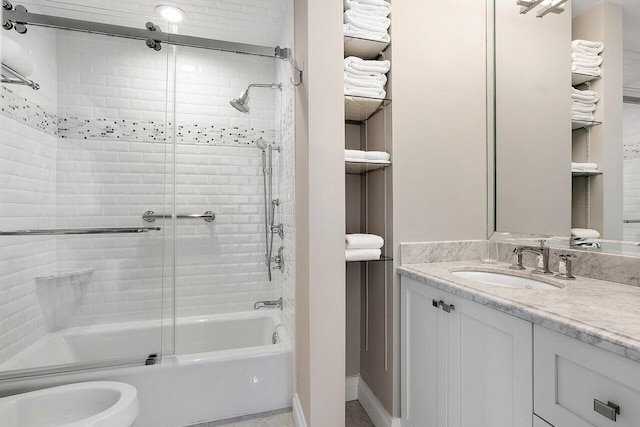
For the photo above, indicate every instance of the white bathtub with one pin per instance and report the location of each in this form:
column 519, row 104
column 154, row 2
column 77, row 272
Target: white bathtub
column 224, row 366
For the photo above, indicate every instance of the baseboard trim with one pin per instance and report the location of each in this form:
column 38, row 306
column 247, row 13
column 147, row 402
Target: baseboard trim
column 372, row 406
column 298, row 413
column 351, row 388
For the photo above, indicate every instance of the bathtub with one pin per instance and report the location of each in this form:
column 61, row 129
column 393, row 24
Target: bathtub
column 224, row 366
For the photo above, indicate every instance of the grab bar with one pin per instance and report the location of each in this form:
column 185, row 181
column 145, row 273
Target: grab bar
column 631, row 221
column 151, row 216
column 18, row 79
column 66, row 231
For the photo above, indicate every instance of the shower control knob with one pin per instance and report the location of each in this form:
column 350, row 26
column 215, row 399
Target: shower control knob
column 6, row 5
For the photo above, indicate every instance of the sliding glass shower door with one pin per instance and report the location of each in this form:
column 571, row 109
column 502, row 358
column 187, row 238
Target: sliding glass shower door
column 85, row 275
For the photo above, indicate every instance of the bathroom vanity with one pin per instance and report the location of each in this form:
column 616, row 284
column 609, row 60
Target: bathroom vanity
column 475, row 354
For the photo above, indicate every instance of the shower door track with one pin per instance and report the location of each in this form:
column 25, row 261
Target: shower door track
column 17, row 16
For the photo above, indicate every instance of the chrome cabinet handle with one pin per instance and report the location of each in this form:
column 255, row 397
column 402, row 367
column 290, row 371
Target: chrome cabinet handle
column 446, row 307
column 609, row 409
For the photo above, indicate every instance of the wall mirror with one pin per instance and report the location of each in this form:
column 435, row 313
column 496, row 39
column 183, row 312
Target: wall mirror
column 567, row 122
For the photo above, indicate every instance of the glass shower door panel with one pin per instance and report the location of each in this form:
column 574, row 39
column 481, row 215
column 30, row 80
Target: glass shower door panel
column 86, row 153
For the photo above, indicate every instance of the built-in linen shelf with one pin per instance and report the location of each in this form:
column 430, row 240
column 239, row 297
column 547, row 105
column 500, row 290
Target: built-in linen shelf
column 578, row 124
column 358, row 167
column 578, row 79
column 585, row 173
column 382, row 259
column 363, row 48
column 358, row 109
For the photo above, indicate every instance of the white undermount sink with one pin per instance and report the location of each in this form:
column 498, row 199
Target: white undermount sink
column 504, row 280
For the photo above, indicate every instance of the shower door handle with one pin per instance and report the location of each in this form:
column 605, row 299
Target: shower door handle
column 151, row 216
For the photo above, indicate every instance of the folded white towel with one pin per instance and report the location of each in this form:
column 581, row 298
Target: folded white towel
column 359, row 66
column 584, row 166
column 366, row 21
column 578, row 107
column 366, row 84
column 581, row 117
column 373, row 2
column 379, row 79
column 587, row 46
column 585, row 96
column 355, row 154
column 383, row 9
column 596, row 72
column 587, row 60
column 364, row 92
column 378, row 155
column 363, row 241
column 585, row 233
column 380, row 36
column 362, row 254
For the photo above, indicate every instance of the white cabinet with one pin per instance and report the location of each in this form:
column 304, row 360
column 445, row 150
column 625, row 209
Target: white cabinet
column 579, row 385
column 469, row 367
column 539, row 422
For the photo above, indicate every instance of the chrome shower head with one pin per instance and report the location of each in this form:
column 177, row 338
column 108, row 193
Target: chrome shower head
column 242, row 104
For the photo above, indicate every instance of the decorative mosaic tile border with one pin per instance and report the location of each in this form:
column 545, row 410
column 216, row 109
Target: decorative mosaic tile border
column 155, row 131
column 110, row 129
column 28, row 112
column 217, row 135
column 632, row 151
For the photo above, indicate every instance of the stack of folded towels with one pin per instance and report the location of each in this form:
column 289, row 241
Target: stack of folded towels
column 583, row 105
column 584, row 233
column 584, row 167
column 364, row 156
column 365, row 78
column 363, row 247
column 586, row 57
column 367, row 19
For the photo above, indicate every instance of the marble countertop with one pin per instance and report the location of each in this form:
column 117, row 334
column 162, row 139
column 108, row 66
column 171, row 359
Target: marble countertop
column 604, row 314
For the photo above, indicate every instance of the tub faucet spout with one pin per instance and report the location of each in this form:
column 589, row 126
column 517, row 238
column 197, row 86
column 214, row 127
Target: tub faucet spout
column 268, row 304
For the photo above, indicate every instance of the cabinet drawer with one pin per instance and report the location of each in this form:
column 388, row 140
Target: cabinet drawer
column 577, row 384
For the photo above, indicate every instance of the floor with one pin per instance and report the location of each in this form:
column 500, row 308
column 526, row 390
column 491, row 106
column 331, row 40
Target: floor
column 355, row 417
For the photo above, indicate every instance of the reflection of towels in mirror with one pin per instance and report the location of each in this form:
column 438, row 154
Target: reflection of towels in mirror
column 17, row 58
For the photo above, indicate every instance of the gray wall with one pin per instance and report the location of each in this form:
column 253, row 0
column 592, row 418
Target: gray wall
column 439, row 136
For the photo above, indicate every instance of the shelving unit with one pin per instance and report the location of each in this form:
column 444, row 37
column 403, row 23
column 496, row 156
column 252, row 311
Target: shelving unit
column 363, row 48
column 585, row 173
column 578, row 124
column 358, row 167
column 578, row 79
column 382, row 259
column 359, row 109
column 368, row 206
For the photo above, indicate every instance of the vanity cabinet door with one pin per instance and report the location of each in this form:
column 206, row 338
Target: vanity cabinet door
column 579, row 385
column 539, row 422
column 423, row 338
column 490, row 363
column 463, row 364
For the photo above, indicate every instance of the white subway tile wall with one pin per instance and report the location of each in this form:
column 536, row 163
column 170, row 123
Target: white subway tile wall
column 27, row 193
column 631, row 170
column 286, row 170
column 112, row 160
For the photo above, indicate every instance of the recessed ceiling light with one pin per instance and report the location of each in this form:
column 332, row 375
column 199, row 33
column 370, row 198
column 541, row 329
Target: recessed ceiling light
column 170, row 13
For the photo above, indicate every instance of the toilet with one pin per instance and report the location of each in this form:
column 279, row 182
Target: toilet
column 88, row 404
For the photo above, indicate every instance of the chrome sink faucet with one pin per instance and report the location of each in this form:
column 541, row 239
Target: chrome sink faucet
column 541, row 252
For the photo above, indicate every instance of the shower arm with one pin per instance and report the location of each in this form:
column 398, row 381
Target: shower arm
column 267, row 85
